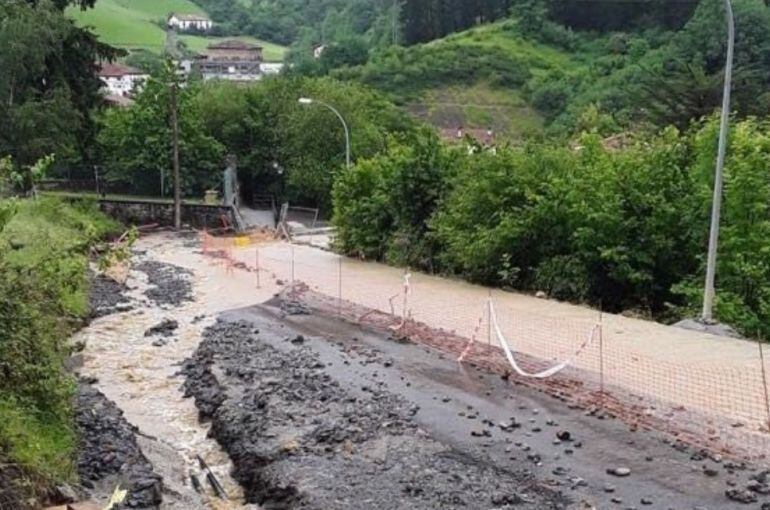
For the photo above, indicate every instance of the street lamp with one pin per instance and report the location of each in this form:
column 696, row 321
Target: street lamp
column 716, row 211
column 308, row 101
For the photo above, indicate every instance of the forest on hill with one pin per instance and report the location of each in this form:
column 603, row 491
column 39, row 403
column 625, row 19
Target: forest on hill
column 326, row 21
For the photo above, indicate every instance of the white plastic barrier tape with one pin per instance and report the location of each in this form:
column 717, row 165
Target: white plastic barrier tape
column 540, row 375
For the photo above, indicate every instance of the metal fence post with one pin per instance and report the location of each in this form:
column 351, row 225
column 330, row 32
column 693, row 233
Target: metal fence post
column 489, row 318
column 601, row 354
column 259, row 286
column 339, row 287
column 764, row 379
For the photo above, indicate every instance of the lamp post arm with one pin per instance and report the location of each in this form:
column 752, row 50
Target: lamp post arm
column 344, row 125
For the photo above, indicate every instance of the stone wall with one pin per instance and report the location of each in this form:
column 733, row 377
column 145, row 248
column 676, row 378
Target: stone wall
column 144, row 212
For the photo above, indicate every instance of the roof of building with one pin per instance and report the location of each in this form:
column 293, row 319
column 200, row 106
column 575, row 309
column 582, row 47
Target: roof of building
column 234, row 44
column 110, row 70
column 189, row 17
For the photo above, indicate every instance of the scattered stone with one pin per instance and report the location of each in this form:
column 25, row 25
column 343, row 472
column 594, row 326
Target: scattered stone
column 741, row 495
column 564, row 435
column 346, row 448
column 64, row 493
column 619, row 471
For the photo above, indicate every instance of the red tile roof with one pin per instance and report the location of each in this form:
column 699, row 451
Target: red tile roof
column 109, row 70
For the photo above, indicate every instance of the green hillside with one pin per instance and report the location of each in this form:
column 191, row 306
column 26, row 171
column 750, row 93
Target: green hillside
column 136, row 24
column 476, row 79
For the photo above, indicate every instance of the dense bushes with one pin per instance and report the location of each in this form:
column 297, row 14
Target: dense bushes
column 382, row 207
column 625, row 229
column 43, row 256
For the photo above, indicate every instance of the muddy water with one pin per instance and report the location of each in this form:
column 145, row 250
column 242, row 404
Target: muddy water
column 142, row 378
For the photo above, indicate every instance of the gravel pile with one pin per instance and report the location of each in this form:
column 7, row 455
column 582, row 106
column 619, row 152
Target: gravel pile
column 299, row 439
column 170, row 284
column 108, row 453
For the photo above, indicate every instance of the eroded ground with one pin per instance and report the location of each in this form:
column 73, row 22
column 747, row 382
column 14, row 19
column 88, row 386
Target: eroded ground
column 319, row 414
column 302, row 410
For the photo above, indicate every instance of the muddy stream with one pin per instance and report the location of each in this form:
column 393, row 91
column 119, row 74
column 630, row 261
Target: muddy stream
column 140, row 373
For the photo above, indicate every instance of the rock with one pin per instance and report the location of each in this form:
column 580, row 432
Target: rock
column 64, row 493
column 106, row 296
column 609, row 489
column 711, row 328
column 164, row 328
column 564, row 435
column 298, row 340
column 506, row 499
column 646, row 501
column 619, row 471
column 741, row 495
column 541, row 295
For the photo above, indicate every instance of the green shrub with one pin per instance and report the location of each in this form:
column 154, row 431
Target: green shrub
column 43, row 296
column 624, row 229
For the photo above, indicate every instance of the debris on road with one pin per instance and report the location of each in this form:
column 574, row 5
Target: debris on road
column 109, row 451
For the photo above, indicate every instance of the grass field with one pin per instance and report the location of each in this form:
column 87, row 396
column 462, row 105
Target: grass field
column 136, row 24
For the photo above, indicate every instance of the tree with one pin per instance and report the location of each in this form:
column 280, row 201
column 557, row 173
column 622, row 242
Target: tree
column 264, row 126
column 49, row 84
column 136, row 142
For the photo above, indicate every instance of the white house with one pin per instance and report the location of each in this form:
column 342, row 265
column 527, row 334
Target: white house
column 189, row 22
column 121, row 80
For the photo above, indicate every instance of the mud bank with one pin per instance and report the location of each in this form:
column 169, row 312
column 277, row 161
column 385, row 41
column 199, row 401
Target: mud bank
column 109, row 455
column 301, row 439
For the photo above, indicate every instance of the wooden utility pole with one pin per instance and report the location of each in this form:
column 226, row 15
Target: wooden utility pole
column 175, row 142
